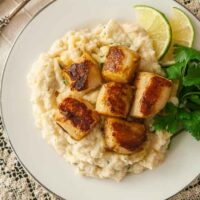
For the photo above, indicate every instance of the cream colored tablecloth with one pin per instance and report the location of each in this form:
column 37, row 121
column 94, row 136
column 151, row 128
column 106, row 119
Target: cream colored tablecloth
column 15, row 182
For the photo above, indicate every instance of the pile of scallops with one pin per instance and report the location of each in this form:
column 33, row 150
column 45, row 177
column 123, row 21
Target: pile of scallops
column 126, row 98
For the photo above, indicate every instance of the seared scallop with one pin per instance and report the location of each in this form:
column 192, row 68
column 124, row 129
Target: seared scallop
column 120, row 64
column 84, row 75
column 124, row 137
column 152, row 93
column 114, row 99
column 76, row 117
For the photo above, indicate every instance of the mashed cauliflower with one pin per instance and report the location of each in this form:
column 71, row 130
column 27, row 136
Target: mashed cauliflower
column 48, row 89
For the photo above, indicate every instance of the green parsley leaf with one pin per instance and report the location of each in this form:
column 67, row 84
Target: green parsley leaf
column 168, row 119
column 173, row 119
column 195, row 98
column 184, row 54
column 192, row 76
column 174, row 71
column 189, row 97
column 191, row 122
column 187, row 114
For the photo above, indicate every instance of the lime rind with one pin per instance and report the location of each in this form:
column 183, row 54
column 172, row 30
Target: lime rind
column 162, row 15
column 189, row 41
column 190, row 23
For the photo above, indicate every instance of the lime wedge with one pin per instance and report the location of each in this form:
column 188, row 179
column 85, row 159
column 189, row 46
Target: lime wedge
column 182, row 33
column 157, row 26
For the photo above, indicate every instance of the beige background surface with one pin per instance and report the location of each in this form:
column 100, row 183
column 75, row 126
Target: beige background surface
column 15, row 183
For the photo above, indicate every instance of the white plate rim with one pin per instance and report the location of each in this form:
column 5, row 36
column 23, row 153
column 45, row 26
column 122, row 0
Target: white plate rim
column 1, row 109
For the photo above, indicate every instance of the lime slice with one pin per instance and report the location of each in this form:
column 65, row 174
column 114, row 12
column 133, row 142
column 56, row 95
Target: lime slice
column 182, row 33
column 157, row 26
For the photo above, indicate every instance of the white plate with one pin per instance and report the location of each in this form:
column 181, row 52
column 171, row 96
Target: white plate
column 183, row 161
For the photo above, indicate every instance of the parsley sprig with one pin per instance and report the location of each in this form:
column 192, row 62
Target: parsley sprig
column 187, row 114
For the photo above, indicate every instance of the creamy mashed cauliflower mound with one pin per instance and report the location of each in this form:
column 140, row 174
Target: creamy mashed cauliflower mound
column 48, row 89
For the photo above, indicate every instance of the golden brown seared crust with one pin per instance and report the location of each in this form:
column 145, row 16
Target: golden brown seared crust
column 124, row 137
column 114, row 59
column 114, row 99
column 78, row 113
column 120, row 64
column 78, row 73
column 152, row 94
column 127, row 137
column 76, row 117
column 84, row 75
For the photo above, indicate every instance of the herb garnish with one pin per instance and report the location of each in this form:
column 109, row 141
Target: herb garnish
column 186, row 115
